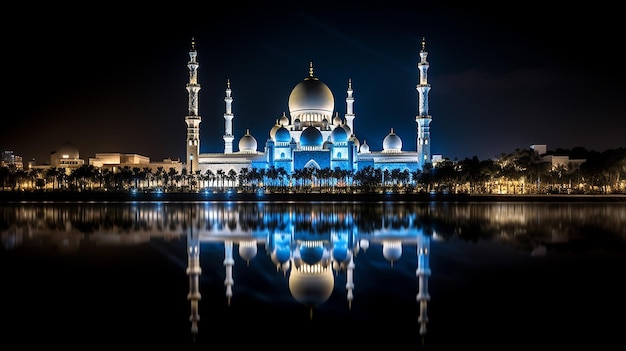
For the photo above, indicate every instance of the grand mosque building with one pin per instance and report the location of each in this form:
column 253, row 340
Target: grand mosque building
column 312, row 135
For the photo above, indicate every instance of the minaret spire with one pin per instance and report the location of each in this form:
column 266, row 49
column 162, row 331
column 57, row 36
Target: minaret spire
column 423, row 119
column 350, row 107
column 193, row 119
column 228, row 121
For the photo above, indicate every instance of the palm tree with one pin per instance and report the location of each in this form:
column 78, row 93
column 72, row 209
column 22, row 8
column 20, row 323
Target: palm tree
column 147, row 175
column 232, row 177
column 220, row 176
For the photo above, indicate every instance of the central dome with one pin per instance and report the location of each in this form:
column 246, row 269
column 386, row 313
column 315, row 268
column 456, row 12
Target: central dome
column 311, row 100
column 311, row 285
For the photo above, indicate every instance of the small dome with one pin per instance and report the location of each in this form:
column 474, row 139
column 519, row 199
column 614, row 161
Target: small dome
column 365, row 149
column 342, row 254
column 247, row 142
column 364, row 244
column 284, row 121
column 392, row 142
column 337, row 120
column 282, row 135
column 280, row 255
column 274, row 129
column 392, row 250
column 311, row 136
column 339, row 135
column 248, row 250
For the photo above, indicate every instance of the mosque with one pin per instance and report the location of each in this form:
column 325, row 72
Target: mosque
column 313, row 135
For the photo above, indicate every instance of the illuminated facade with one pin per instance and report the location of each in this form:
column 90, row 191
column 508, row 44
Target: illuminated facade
column 313, row 135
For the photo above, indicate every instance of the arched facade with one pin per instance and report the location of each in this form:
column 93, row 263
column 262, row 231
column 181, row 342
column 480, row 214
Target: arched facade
column 312, row 135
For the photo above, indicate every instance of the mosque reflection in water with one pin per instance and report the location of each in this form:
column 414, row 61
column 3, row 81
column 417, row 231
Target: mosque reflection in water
column 309, row 244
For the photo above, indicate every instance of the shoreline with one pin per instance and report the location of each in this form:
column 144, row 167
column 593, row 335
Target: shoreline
column 71, row 196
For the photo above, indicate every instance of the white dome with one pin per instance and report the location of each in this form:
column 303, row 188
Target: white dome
column 274, row 129
column 247, row 143
column 311, row 100
column 392, row 142
column 365, row 149
column 392, row 250
column 311, row 285
column 337, row 120
column 247, row 250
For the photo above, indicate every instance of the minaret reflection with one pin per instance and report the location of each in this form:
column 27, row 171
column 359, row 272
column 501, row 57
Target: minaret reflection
column 423, row 273
column 309, row 245
column 193, row 271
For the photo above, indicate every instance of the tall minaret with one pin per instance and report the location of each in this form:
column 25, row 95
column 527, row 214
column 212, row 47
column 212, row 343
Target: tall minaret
column 193, row 119
column 228, row 121
column 423, row 119
column 350, row 107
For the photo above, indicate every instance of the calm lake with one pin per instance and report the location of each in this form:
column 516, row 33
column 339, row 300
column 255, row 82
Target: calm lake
column 417, row 275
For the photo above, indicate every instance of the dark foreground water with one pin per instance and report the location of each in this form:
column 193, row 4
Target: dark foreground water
column 227, row 275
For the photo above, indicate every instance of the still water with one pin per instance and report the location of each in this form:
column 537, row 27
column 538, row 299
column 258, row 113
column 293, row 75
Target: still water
column 424, row 275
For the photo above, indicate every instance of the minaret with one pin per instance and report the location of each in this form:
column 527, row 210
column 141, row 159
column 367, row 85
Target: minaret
column 350, row 107
column 423, row 273
column 193, row 271
column 423, row 119
column 193, row 119
column 228, row 121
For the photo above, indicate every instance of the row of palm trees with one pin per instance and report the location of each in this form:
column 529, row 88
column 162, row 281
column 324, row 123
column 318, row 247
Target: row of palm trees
column 520, row 172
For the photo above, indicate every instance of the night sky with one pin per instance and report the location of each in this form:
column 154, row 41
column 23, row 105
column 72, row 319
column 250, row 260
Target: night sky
column 502, row 78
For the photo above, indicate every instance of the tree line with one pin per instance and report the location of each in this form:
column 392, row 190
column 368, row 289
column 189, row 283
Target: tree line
column 520, row 172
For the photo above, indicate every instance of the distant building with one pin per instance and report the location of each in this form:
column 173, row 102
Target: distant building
column 539, row 149
column 66, row 156
column 10, row 160
column 557, row 161
column 114, row 161
column 563, row 161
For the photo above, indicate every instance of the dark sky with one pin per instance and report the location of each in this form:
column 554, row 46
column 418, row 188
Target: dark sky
column 502, row 77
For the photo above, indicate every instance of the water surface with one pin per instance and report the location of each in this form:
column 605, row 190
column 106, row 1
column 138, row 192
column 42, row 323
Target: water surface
column 425, row 275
